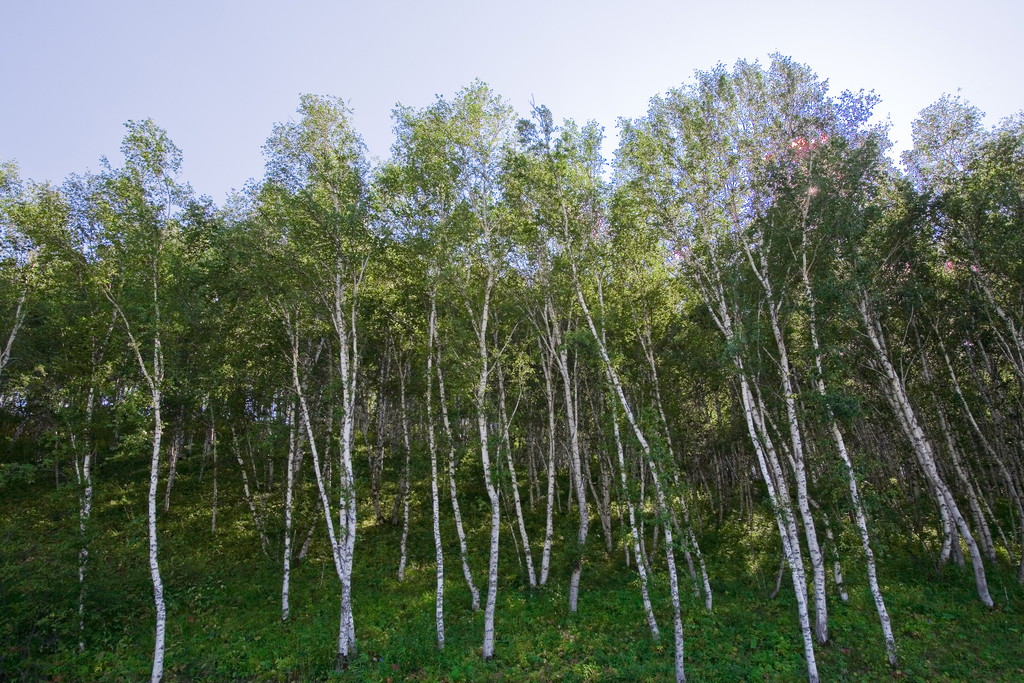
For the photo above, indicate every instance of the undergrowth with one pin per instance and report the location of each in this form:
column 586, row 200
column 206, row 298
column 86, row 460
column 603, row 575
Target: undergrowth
column 224, row 614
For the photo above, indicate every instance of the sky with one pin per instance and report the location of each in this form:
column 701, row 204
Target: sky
column 218, row 75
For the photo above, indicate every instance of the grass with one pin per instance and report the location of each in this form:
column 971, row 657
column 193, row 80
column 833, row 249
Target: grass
column 223, row 598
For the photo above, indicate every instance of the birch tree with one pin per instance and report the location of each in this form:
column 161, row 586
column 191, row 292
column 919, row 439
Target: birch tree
column 315, row 193
column 135, row 208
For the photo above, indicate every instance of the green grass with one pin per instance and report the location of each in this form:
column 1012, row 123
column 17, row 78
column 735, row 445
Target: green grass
column 223, row 598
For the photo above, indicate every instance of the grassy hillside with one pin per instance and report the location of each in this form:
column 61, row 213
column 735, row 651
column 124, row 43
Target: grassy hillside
column 223, row 597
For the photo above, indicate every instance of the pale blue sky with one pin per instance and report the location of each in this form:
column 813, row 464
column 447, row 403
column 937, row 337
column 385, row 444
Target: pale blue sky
column 218, row 75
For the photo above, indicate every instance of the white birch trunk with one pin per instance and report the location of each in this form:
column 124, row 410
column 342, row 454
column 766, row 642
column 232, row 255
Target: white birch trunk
column 434, row 504
column 894, row 387
column 177, row 441
column 405, row 476
column 292, row 449
column 19, row 319
column 338, row 546
column 154, row 567
column 851, row 478
column 561, row 358
column 714, row 295
column 213, row 506
column 545, row 562
column 84, row 511
column 708, row 601
column 85, row 479
column 505, row 422
column 783, row 517
column 1007, row 475
column 659, row 492
column 480, row 398
column 348, row 356
column 84, row 476
column 155, row 381
column 837, row 567
column 256, row 518
column 796, row 439
column 464, row 553
column 640, row 566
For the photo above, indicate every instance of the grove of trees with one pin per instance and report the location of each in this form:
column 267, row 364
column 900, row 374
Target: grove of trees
column 750, row 311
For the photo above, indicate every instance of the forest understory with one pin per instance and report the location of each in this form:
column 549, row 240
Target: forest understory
column 224, row 622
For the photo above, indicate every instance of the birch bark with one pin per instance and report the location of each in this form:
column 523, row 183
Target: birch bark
column 546, row 365
column 645, row 341
column 893, row 386
column 840, row 444
column 709, row 280
column 405, row 473
column 506, row 440
column 434, row 505
column 154, row 378
column 474, row 593
column 659, row 492
column 292, row 449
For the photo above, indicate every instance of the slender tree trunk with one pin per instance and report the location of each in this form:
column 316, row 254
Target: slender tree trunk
column 474, row 593
column 837, row 568
column 155, row 381
column 1007, row 475
column 713, row 291
column 781, row 503
column 480, row 398
column 405, row 474
column 348, row 365
column 506, row 426
column 84, row 475
column 840, row 443
column 796, row 439
column 293, row 447
column 434, row 503
column 257, row 520
column 338, row 548
column 213, row 506
column 546, row 365
column 649, row 352
column 660, row 495
column 640, row 565
column 19, row 319
column 894, row 388
column 177, row 441
column 154, row 567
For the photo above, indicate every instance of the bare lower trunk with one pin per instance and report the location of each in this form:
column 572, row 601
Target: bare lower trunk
column 645, row 339
column 463, row 552
column 1008, row 478
column 663, row 510
column 506, row 440
column 778, row 578
column 405, row 476
column 796, row 443
column 340, row 546
column 84, row 511
column 292, row 449
column 213, row 506
column 771, row 471
column 837, row 569
column 257, row 520
column 545, row 562
column 154, row 568
column 177, row 441
column 894, row 388
column 434, row 504
column 492, row 495
column 640, row 566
